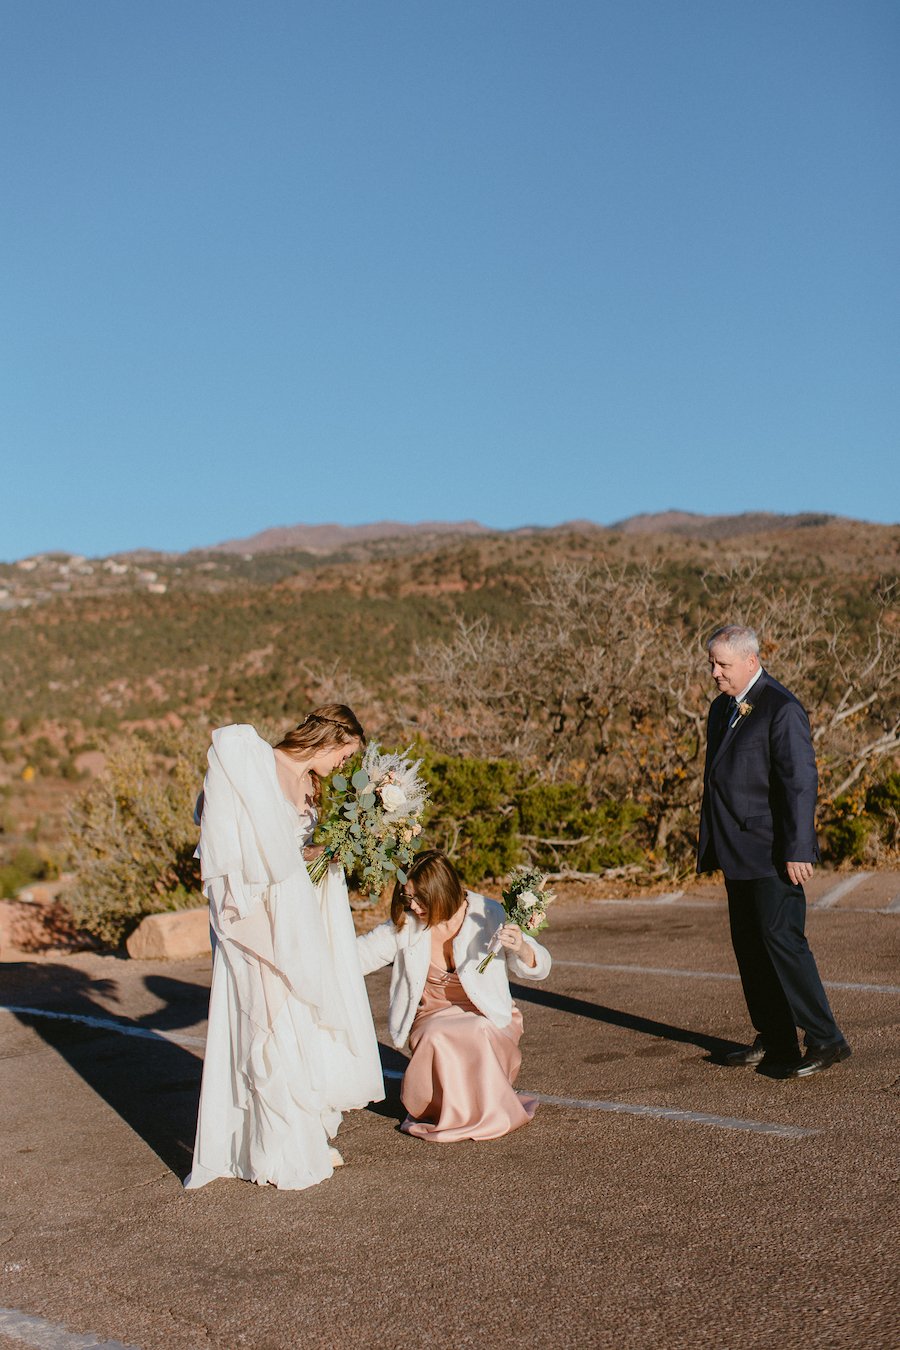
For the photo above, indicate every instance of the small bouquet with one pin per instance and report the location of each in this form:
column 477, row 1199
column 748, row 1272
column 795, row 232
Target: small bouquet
column 525, row 900
column 374, row 824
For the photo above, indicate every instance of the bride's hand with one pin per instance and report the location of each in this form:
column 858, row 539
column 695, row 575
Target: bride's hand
column 513, row 939
column 313, row 851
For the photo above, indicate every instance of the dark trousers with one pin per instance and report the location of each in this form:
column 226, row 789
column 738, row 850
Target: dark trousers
column 778, row 971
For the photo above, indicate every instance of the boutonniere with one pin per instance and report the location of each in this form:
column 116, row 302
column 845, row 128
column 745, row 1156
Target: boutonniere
column 740, row 710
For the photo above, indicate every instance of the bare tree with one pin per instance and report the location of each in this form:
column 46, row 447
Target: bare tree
column 849, row 685
column 547, row 694
column 607, row 685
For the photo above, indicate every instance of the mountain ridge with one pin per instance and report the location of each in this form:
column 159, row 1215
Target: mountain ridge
column 328, row 538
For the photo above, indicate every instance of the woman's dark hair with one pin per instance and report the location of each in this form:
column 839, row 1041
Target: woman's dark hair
column 438, row 888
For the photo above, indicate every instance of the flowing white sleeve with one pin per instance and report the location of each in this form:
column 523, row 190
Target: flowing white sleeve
column 245, row 831
column 263, row 908
column 377, row 948
column 539, row 971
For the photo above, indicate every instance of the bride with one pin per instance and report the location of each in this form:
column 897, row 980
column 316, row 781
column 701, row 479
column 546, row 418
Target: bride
column 290, row 1043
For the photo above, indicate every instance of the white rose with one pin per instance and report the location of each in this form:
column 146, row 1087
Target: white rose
column 527, row 900
column 393, row 797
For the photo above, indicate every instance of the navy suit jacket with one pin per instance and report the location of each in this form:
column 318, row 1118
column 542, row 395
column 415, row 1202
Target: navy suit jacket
column 759, row 787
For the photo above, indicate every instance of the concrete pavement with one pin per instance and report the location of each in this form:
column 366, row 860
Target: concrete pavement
column 667, row 1202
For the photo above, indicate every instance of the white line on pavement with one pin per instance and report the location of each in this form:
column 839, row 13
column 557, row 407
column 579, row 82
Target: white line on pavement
column 625, row 1108
column 106, row 1024
column 662, row 1113
column 831, row 897
column 642, row 901
column 28, row 1330
column 686, row 1117
column 717, row 975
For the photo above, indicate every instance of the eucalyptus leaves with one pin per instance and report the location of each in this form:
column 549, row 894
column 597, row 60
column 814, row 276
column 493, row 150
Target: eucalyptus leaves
column 374, row 824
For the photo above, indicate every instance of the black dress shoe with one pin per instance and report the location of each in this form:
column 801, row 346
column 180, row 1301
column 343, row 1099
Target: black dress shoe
column 819, row 1057
column 751, row 1054
column 781, row 1064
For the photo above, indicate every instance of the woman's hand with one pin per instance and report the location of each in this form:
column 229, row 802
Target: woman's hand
column 513, row 939
column 313, row 851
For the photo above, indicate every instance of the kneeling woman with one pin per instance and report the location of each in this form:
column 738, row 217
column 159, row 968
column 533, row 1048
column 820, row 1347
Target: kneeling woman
column 463, row 1027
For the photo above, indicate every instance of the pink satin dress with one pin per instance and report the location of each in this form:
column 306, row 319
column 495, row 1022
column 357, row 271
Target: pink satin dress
column 459, row 1083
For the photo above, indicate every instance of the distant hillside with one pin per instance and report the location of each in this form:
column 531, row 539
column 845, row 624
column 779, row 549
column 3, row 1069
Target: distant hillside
column 155, row 643
column 694, row 526
column 326, row 539
column 384, row 538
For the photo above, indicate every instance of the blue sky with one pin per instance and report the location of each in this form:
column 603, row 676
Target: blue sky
column 511, row 260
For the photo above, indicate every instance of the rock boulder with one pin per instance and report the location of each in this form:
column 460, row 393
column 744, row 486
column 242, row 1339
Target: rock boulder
column 171, row 937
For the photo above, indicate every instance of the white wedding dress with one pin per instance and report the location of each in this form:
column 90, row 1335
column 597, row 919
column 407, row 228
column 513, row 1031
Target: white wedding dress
column 290, row 1044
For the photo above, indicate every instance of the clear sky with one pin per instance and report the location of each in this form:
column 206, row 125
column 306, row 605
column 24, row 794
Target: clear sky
column 522, row 261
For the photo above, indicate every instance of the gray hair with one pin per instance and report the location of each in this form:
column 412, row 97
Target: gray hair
column 739, row 639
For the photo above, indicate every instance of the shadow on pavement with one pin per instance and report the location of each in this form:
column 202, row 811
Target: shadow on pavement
column 152, row 1084
column 715, row 1045
column 394, row 1064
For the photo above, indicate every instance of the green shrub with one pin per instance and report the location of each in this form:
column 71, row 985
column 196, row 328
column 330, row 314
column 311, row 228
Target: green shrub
column 472, row 814
column 24, row 866
column 43, row 754
column 491, row 814
column 132, row 839
column 846, row 836
column 562, row 830
column 861, row 826
column 883, row 808
column 847, row 828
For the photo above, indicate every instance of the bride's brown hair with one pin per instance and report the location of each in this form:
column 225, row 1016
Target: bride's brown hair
column 331, row 725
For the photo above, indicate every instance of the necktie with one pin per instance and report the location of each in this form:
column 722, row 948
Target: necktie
column 730, row 709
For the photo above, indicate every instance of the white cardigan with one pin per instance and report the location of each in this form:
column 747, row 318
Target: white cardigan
column 409, row 948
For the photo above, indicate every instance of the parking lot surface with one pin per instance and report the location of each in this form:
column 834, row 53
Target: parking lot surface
column 659, row 1199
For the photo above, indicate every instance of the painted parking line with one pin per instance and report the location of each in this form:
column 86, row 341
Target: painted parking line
column 679, row 900
column 716, row 975
column 583, row 1104
column 28, row 1330
column 663, row 1113
column 104, row 1024
column 836, row 893
column 675, row 898
column 682, row 1117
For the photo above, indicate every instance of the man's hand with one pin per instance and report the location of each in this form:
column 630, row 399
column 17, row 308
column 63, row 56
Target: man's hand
column 798, row 872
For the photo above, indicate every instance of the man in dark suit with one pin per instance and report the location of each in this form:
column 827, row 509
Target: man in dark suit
column 757, row 824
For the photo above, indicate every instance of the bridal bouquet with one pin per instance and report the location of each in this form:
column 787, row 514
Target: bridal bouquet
column 374, row 823
column 525, row 900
